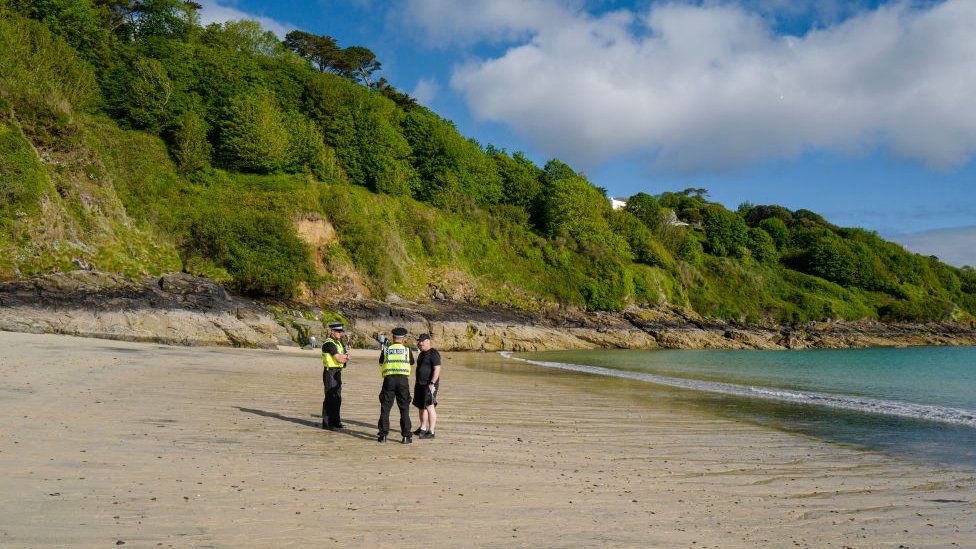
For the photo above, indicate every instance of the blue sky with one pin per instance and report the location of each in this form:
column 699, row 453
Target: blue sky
column 859, row 110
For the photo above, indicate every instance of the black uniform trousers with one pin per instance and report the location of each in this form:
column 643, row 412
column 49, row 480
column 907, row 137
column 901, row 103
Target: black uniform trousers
column 395, row 387
column 332, row 380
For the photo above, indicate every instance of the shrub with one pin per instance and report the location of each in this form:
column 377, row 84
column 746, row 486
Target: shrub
column 922, row 310
column 22, row 176
column 259, row 250
column 189, row 144
column 36, row 64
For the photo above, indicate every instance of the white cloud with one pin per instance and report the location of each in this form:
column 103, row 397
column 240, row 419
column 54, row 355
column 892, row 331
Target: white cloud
column 712, row 86
column 450, row 21
column 425, row 91
column 956, row 246
column 214, row 12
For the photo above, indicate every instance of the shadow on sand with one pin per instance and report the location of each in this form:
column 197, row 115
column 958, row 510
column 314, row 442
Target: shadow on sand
column 311, row 423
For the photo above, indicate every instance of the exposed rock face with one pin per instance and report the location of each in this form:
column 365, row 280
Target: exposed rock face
column 457, row 326
column 176, row 308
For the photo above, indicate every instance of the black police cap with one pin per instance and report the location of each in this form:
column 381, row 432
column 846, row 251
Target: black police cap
column 399, row 332
column 337, row 327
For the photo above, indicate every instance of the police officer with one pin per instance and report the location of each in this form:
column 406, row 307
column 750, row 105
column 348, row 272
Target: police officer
column 395, row 361
column 334, row 359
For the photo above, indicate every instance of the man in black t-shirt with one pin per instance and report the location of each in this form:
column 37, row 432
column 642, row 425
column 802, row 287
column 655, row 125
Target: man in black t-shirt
column 428, row 383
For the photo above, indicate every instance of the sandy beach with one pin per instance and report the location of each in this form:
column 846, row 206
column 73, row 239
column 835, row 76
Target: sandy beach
column 107, row 442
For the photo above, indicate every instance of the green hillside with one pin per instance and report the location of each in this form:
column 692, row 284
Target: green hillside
column 135, row 140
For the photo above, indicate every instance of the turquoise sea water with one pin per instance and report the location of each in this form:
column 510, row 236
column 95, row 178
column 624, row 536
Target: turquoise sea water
column 917, row 402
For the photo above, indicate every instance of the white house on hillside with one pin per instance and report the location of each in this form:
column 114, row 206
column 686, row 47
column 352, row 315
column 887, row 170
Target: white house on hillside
column 617, row 204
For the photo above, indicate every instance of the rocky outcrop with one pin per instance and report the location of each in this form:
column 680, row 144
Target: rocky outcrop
column 175, row 308
column 457, row 326
column 178, row 308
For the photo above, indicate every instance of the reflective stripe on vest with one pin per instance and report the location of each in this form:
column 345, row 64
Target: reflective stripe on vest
column 328, row 360
column 396, row 360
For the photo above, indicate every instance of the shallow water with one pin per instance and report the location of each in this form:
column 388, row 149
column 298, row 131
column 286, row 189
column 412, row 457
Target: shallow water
column 917, row 402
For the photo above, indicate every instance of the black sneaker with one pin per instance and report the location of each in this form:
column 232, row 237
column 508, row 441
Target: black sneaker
column 408, row 440
column 419, row 432
column 427, row 434
column 339, row 426
column 381, row 438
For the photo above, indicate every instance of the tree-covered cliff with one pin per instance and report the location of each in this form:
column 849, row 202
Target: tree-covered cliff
column 135, row 140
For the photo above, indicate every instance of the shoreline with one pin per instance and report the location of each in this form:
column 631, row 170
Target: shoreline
column 180, row 309
column 148, row 444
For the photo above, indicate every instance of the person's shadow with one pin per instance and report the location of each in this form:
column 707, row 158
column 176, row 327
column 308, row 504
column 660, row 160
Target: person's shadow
column 311, row 423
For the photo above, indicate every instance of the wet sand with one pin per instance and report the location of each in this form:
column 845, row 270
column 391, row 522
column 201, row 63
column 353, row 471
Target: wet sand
column 106, row 441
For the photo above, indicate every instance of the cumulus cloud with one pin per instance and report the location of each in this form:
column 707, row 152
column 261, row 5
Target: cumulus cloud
column 955, row 246
column 449, row 21
column 214, row 12
column 425, row 91
column 714, row 86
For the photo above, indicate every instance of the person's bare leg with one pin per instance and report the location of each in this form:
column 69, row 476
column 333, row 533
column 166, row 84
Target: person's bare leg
column 423, row 419
column 432, row 414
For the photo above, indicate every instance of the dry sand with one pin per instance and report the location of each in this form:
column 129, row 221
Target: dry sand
column 105, row 442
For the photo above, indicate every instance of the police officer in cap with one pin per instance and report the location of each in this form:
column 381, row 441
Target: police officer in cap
column 395, row 361
column 335, row 355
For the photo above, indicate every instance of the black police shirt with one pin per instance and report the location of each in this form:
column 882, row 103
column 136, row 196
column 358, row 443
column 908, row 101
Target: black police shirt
column 426, row 361
column 330, row 349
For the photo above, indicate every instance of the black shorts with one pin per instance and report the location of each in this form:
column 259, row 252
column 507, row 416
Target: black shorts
column 422, row 396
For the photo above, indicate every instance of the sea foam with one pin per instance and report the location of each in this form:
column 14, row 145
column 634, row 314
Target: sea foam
column 910, row 410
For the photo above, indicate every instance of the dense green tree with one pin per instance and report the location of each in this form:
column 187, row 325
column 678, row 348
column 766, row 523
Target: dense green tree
column 762, row 246
column 556, row 169
column 161, row 18
column 646, row 208
column 247, row 37
column 726, row 232
column 643, row 246
column 77, row 21
column 450, row 168
column 402, row 100
column 572, row 207
column 364, row 130
column 140, row 93
column 756, row 214
column 358, row 64
column 521, row 179
column 321, row 50
column 778, row 230
column 306, row 147
column 254, row 136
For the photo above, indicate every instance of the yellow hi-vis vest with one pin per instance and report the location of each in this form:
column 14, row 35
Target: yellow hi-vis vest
column 396, row 360
column 328, row 360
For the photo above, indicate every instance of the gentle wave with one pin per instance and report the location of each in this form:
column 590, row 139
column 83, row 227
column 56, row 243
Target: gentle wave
column 847, row 402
